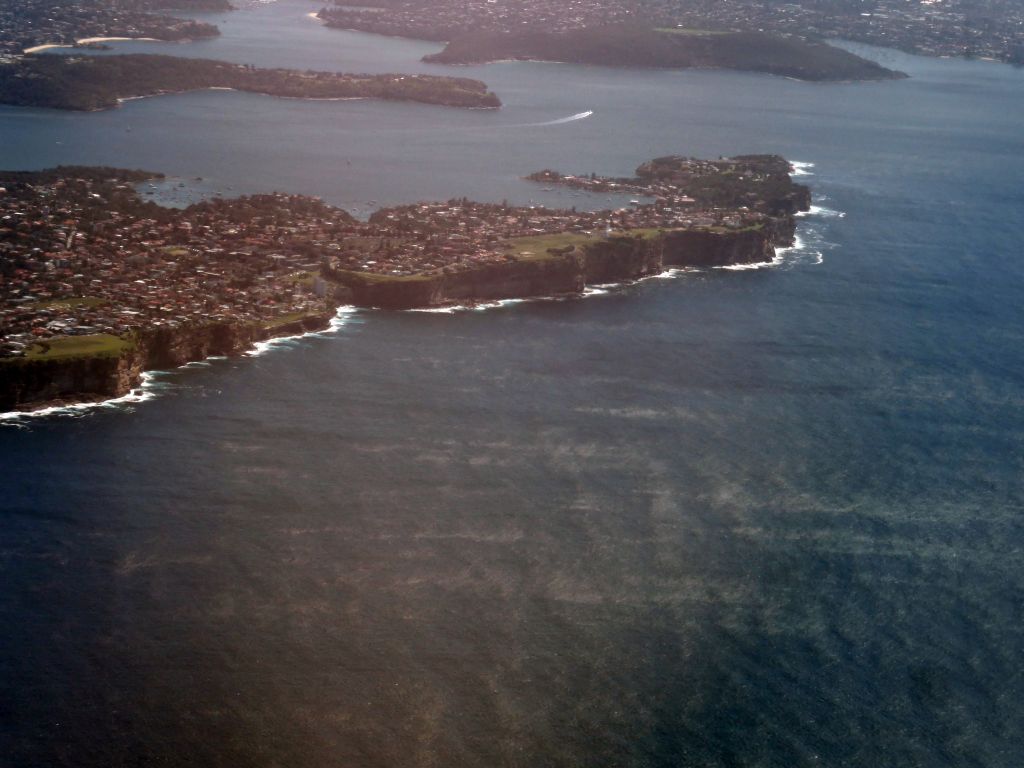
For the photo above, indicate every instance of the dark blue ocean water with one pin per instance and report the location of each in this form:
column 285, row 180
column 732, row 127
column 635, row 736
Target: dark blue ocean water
column 734, row 518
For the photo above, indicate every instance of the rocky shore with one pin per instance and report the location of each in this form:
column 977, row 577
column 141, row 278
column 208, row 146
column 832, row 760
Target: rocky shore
column 33, row 384
column 111, row 285
column 615, row 259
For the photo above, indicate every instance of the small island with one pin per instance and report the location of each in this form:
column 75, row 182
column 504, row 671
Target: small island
column 98, row 284
column 101, row 82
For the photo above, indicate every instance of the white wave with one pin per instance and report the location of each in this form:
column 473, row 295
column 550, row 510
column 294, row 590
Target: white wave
column 670, row 273
column 142, row 393
column 803, row 251
column 440, row 310
column 801, row 169
column 825, row 213
column 340, row 319
column 779, row 259
column 497, row 304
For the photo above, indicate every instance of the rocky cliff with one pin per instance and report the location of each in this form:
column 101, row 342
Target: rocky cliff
column 697, row 248
column 513, row 279
column 615, row 259
column 33, row 383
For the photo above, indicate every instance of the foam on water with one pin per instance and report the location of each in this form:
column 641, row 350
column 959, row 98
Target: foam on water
column 801, row 169
column 818, row 210
column 778, row 260
column 340, row 319
column 145, row 391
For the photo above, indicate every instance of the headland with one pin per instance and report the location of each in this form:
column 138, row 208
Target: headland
column 99, row 284
column 607, row 37
column 101, row 82
column 632, row 45
column 970, row 28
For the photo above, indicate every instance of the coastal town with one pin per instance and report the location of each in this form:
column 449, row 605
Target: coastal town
column 972, row 28
column 84, row 254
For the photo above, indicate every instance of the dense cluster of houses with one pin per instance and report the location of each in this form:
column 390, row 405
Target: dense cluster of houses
column 71, row 265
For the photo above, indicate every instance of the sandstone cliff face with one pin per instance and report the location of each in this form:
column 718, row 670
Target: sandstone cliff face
column 33, row 383
column 616, row 259
column 518, row 279
column 622, row 258
column 509, row 280
column 713, row 249
column 54, row 381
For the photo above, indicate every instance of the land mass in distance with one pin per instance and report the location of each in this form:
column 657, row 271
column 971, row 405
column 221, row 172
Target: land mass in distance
column 100, row 82
column 637, row 45
column 99, row 285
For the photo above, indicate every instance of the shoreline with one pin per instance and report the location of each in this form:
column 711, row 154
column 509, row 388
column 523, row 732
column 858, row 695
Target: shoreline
column 573, row 264
column 95, row 83
column 139, row 390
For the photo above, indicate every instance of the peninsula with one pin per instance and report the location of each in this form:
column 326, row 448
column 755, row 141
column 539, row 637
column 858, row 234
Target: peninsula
column 98, row 284
column 589, row 33
column 100, row 82
column 630, row 45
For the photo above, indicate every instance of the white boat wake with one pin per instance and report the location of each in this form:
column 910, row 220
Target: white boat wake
column 559, row 121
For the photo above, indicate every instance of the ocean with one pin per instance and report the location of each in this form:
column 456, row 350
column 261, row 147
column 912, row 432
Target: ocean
column 762, row 517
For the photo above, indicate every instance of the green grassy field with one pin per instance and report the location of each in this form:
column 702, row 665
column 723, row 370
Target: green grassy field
column 97, row 345
column 291, row 317
column 374, row 277
column 81, row 301
column 536, row 246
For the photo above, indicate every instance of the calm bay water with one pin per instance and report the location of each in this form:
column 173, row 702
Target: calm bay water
column 735, row 518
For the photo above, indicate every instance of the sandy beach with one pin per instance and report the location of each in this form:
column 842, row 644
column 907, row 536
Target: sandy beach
column 46, row 46
column 88, row 41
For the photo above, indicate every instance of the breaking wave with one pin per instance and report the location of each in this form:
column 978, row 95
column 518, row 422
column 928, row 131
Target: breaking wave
column 802, row 169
